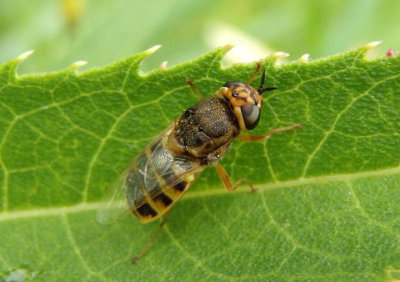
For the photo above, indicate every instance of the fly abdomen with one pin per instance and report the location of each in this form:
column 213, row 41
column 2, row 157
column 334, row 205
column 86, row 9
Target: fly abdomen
column 157, row 181
column 170, row 189
column 174, row 182
column 163, row 200
column 146, row 211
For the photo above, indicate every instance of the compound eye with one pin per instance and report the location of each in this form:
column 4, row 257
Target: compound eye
column 251, row 115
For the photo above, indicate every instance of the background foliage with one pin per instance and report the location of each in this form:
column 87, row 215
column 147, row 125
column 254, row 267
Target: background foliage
column 102, row 31
column 327, row 206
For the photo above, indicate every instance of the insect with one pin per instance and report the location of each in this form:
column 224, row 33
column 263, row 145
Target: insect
column 201, row 136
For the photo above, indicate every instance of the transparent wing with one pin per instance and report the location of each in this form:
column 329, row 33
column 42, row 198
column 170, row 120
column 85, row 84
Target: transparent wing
column 130, row 188
column 181, row 168
column 155, row 166
column 114, row 204
column 191, row 174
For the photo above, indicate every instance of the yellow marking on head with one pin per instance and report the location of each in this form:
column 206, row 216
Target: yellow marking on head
column 239, row 117
column 239, row 95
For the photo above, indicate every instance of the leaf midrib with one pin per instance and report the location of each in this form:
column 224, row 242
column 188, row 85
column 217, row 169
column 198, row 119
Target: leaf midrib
column 42, row 212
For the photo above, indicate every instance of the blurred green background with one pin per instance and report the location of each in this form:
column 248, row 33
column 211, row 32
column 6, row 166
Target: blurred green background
column 102, row 31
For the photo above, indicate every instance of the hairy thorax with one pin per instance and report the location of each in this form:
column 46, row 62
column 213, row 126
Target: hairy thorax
column 207, row 129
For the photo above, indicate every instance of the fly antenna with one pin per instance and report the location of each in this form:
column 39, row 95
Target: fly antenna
column 261, row 89
column 261, row 83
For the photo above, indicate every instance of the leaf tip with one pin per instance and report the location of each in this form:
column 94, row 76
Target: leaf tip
column 164, row 65
column 231, row 45
column 152, row 50
column 371, row 45
column 278, row 55
column 24, row 55
column 78, row 64
column 304, row 58
column 273, row 59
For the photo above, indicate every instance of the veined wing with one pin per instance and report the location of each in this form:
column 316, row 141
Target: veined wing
column 177, row 184
column 157, row 177
column 114, row 204
column 130, row 188
column 168, row 176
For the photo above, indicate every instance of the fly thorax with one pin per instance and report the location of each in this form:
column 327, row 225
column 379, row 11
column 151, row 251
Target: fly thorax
column 207, row 126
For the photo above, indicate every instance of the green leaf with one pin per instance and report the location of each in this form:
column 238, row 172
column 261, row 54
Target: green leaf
column 327, row 205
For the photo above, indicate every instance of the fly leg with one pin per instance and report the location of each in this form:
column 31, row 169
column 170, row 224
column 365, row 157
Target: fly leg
column 254, row 73
column 248, row 138
column 194, row 88
column 227, row 182
column 144, row 250
column 251, row 138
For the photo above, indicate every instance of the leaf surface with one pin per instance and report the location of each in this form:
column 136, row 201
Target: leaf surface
column 327, row 205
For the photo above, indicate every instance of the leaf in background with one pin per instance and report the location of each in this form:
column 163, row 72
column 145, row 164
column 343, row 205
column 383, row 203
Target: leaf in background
column 327, row 206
